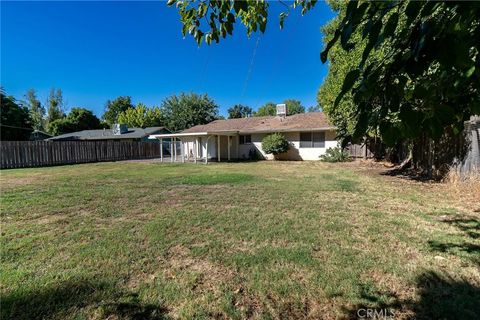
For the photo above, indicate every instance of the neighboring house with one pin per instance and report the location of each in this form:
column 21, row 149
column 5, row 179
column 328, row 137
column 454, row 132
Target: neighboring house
column 119, row 132
column 310, row 134
column 38, row 135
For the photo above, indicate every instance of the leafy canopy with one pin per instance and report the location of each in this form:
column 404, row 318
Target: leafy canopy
column 187, row 110
column 425, row 80
column 316, row 108
column 270, row 108
column 342, row 115
column 77, row 120
column 275, row 144
column 141, row 116
column 294, row 106
column 55, row 107
column 239, row 111
column 37, row 111
column 211, row 20
column 15, row 119
column 114, row 107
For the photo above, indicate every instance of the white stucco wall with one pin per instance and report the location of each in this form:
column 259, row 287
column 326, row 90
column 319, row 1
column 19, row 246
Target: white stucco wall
column 211, row 145
column 315, row 153
column 295, row 152
column 189, row 147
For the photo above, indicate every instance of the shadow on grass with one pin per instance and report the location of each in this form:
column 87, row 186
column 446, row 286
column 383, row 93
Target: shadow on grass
column 470, row 227
column 452, row 247
column 439, row 297
column 409, row 174
column 76, row 298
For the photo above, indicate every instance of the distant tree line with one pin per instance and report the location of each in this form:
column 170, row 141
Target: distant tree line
column 177, row 112
column 19, row 118
column 269, row 109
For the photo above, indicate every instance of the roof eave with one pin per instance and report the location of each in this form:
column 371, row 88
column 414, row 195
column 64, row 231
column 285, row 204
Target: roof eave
column 192, row 134
column 288, row 130
column 233, row 132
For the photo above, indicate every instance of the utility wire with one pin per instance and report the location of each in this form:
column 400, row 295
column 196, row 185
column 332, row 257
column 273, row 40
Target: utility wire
column 250, row 68
column 15, row 127
column 280, row 59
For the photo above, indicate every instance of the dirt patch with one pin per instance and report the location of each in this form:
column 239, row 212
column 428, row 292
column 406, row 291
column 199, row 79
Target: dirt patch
column 11, row 182
column 201, row 277
column 179, row 260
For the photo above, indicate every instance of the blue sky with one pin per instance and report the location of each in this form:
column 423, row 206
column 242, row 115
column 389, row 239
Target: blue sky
column 95, row 51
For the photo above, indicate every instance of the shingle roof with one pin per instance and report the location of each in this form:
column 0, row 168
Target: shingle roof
column 297, row 122
column 132, row 133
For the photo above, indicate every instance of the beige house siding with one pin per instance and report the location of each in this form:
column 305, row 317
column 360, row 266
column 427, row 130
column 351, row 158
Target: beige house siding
column 257, row 128
column 243, row 151
column 295, row 152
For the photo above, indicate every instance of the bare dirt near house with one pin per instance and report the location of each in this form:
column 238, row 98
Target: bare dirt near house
column 264, row 240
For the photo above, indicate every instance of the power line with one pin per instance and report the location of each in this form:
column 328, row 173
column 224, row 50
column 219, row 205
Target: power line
column 15, row 127
column 280, row 58
column 250, row 68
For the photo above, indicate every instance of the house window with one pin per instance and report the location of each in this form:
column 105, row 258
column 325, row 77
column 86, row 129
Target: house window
column 244, row 139
column 312, row 139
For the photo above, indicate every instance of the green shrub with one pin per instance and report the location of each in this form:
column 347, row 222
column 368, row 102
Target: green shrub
column 336, row 154
column 275, row 143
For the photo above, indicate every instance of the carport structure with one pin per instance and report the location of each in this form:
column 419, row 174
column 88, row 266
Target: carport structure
column 198, row 146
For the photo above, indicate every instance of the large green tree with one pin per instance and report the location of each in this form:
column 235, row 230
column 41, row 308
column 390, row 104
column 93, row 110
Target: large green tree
column 114, row 107
column 342, row 115
column 36, row 109
column 15, row 119
column 239, row 111
column 55, row 106
column 187, row 110
column 426, row 79
column 294, row 106
column 77, row 120
column 268, row 109
column 141, row 116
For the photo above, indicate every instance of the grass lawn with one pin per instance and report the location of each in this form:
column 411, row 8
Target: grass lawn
column 265, row 240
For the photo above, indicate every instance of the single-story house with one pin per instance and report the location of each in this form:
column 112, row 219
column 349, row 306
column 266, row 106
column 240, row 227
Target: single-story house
column 118, row 132
column 310, row 135
column 38, row 135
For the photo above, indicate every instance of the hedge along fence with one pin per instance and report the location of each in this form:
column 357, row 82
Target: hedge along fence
column 23, row 154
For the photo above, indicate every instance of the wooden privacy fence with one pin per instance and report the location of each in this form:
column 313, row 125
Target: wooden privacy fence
column 359, row 151
column 22, row 154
